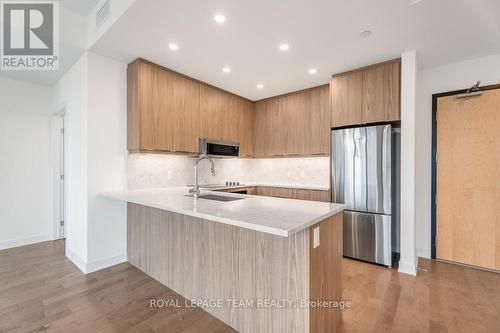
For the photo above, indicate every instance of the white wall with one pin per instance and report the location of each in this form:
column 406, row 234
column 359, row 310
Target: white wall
column 70, row 94
column 154, row 170
column 25, row 186
column 407, row 262
column 431, row 81
column 107, row 161
column 93, row 94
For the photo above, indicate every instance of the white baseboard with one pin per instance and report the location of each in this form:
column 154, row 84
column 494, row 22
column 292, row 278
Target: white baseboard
column 24, row 241
column 407, row 268
column 424, row 253
column 94, row 266
column 79, row 262
column 97, row 265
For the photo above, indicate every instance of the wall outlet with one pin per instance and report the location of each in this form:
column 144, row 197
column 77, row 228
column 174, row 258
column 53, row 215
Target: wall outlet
column 316, row 237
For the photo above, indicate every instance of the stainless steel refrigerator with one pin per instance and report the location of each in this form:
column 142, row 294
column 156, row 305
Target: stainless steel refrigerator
column 363, row 178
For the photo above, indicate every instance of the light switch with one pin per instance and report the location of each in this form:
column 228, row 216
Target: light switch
column 316, row 237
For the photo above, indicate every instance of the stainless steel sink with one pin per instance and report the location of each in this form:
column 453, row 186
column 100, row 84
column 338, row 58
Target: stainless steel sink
column 219, row 197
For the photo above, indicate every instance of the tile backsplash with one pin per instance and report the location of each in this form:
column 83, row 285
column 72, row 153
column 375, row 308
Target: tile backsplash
column 156, row 170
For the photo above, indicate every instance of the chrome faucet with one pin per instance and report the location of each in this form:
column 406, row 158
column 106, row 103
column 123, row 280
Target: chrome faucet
column 195, row 191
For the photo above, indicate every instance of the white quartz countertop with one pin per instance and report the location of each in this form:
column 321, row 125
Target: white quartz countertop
column 277, row 216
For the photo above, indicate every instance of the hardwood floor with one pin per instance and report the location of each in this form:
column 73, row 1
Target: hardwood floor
column 42, row 291
column 443, row 298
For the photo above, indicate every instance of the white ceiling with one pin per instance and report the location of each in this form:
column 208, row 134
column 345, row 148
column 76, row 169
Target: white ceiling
column 322, row 33
column 82, row 7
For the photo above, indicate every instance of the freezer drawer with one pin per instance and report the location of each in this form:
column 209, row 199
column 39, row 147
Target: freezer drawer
column 368, row 237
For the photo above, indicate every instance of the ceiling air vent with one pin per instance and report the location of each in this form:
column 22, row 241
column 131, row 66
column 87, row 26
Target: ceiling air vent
column 102, row 14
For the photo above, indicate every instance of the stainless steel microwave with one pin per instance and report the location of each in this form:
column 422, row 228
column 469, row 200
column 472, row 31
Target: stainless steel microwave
column 218, row 148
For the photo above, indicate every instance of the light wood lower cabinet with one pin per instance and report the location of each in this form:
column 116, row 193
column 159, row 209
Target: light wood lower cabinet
column 288, row 193
column 250, row 190
column 170, row 112
column 205, row 260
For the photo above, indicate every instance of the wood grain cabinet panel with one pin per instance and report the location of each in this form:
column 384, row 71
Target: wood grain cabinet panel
column 142, row 109
column 319, row 115
column 299, row 194
column 367, row 95
column 381, row 90
column 296, row 124
column 168, row 112
column 295, row 132
column 347, row 101
column 260, row 129
column 276, row 133
column 245, row 127
column 185, row 115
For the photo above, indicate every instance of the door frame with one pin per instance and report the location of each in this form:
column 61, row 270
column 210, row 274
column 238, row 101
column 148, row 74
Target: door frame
column 58, row 121
column 434, row 161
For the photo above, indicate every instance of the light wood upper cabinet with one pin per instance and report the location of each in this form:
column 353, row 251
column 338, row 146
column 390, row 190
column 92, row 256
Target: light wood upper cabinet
column 347, row 99
column 184, row 113
column 142, row 93
column 268, row 129
column 381, row 86
column 318, row 110
column 368, row 95
column 296, row 124
column 170, row 112
column 245, row 126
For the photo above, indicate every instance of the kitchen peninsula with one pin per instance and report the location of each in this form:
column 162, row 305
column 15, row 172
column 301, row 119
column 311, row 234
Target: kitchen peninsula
column 226, row 246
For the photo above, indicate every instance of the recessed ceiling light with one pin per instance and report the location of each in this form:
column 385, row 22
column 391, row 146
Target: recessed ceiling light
column 284, row 47
column 219, row 18
column 313, row 71
column 173, row 46
column 365, row 33
column 260, row 86
column 226, row 70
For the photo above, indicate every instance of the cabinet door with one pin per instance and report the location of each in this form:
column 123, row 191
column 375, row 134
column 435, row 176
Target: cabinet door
column 381, row 90
column 324, row 196
column 166, row 111
column 302, row 194
column 147, row 105
column 276, row 128
column 347, row 99
column 245, row 127
column 186, row 115
column 319, row 121
column 260, row 129
column 293, row 110
column 231, row 117
column 298, row 121
column 212, row 113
